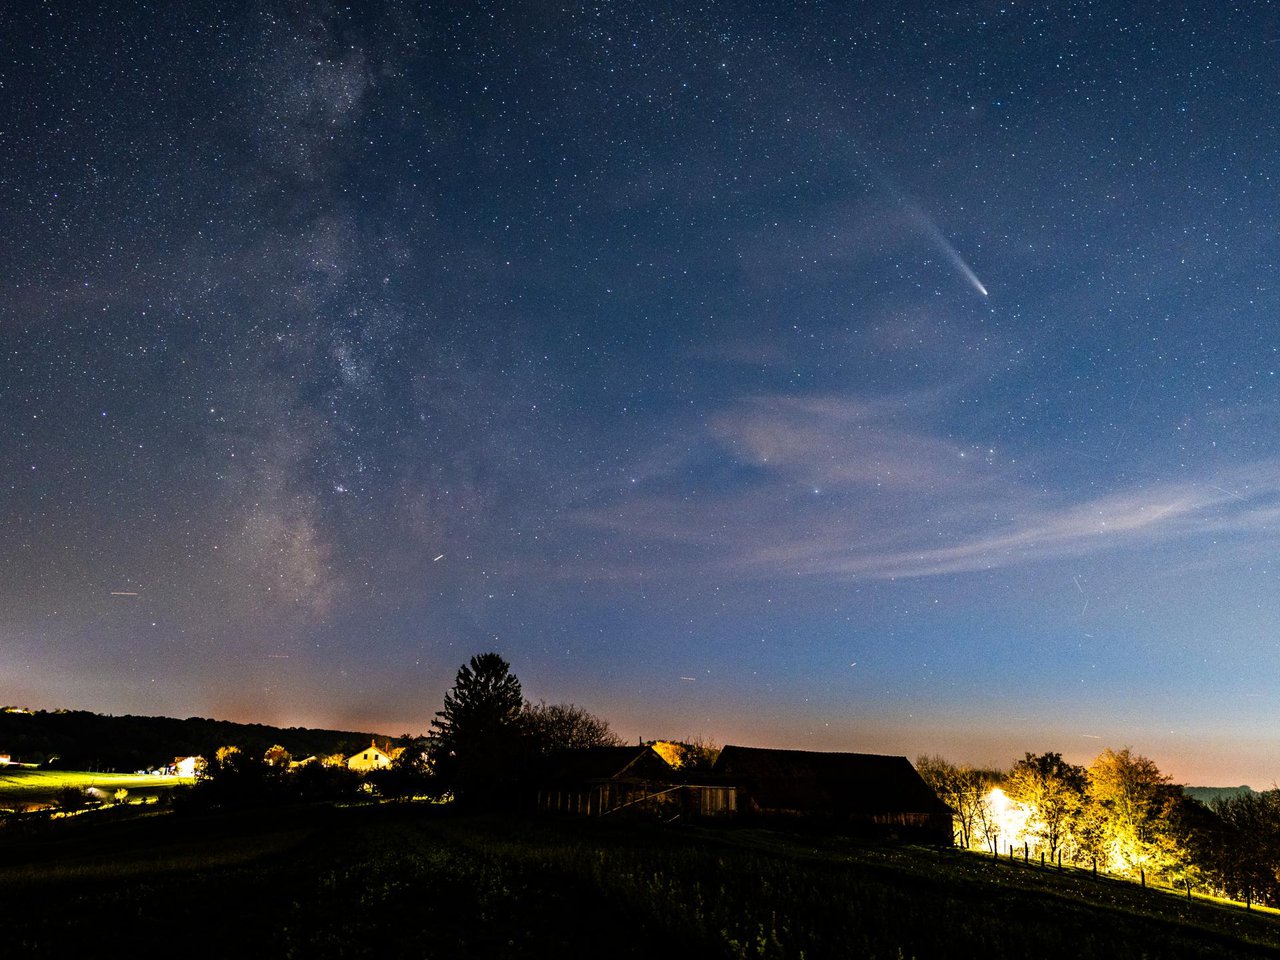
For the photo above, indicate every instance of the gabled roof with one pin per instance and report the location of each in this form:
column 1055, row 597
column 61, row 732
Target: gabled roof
column 373, row 748
column 604, row 763
column 839, row 784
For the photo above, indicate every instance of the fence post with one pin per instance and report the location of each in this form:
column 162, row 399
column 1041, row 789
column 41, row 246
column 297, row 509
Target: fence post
column 1026, row 852
column 1188, row 891
column 1041, row 859
column 1095, row 868
column 1143, row 874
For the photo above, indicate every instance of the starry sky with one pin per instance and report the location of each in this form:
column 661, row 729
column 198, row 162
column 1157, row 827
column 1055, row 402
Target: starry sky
column 881, row 376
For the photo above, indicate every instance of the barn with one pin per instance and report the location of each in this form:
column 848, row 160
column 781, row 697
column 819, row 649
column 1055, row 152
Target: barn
column 627, row 781
column 858, row 790
column 602, row 780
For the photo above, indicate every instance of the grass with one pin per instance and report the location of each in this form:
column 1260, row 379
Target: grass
column 420, row 881
column 34, row 788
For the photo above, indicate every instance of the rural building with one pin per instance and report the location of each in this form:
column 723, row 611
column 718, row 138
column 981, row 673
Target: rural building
column 596, row 781
column 626, row 781
column 880, row 792
column 371, row 758
column 187, row 766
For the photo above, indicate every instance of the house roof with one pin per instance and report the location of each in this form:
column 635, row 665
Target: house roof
column 372, row 748
column 832, row 783
column 604, row 763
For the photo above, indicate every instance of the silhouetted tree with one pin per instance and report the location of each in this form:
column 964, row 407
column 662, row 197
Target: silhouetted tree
column 410, row 773
column 564, row 726
column 315, row 781
column 1246, row 854
column 71, row 799
column 476, row 738
column 967, row 792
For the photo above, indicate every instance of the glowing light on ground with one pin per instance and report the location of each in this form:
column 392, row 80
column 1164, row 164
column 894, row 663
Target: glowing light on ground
column 1007, row 819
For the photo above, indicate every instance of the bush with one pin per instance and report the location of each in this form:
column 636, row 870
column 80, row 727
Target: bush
column 71, row 799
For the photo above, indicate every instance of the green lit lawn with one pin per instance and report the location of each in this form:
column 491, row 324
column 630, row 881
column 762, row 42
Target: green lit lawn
column 33, row 787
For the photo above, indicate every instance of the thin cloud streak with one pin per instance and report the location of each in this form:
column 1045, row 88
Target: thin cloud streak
column 835, row 489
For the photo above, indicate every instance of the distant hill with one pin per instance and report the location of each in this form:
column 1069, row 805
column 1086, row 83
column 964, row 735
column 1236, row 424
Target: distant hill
column 1207, row 795
column 80, row 740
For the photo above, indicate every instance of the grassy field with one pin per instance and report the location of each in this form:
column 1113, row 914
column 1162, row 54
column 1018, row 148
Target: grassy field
column 419, row 881
column 27, row 788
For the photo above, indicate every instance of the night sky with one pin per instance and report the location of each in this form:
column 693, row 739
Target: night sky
column 862, row 376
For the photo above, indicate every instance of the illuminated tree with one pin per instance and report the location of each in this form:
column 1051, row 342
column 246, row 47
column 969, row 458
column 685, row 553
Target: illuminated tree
column 1054, row 794
column 694, row 754
column 476, row 737
column 1129, row 809
column 277, row 757
column 227, row 754
column 698, row 754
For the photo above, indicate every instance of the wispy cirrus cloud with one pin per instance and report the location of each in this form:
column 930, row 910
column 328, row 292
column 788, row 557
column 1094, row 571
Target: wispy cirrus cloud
column 840, row 489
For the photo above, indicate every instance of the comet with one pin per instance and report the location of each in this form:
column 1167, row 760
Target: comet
column 923, row 220
column 123, row 593
column 948, row 248
column 441, row 557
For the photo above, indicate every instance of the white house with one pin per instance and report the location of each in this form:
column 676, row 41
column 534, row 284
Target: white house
column 187, row 766
column 370, row 758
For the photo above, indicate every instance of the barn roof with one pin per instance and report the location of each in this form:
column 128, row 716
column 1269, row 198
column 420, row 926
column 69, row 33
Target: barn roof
column 604, row 763
column 839, row 784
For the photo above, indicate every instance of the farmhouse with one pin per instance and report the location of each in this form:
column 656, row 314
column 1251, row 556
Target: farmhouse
column 371, row 758
column 878, row 792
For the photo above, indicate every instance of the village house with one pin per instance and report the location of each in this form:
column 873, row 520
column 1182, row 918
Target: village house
column 372, row 757
column 880, row 793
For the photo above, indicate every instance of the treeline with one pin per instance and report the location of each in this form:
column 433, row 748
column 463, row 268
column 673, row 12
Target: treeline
column 1120, row 815
column 484, row 751
column 482, row 747
column 80, row 740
